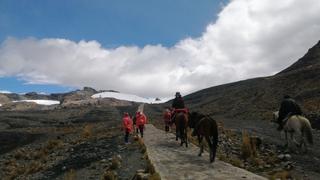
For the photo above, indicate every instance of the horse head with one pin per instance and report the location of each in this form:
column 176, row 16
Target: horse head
column 193, row 119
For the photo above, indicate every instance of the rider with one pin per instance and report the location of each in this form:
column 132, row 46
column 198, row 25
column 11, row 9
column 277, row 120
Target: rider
column 127, row 126
column 141, row 120
column 177, row 106
column 288, row 107
column 178, row 102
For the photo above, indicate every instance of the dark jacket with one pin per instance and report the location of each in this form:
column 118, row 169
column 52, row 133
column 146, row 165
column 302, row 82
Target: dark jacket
column 178, row 103
column 289, row 106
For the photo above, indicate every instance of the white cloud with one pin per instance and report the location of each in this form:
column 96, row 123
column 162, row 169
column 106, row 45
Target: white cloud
column 250, row 38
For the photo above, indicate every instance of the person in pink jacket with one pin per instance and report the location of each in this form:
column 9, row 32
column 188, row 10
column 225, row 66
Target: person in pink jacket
column 141, row 120
column 127, row 125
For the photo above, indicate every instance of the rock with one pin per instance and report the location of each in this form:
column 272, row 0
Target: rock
column 63, row 168
column 140, row 171
column 267, row 166
column 119, row 157
column 103, row 161
column 281, row 156
column 143, row 176
column 287, row 156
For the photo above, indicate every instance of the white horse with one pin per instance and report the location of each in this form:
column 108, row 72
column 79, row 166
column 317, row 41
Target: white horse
column 296, row 124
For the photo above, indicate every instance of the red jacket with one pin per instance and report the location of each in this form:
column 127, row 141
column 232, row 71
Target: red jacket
column 127, row 123
column 141, row 119
column 167, row 116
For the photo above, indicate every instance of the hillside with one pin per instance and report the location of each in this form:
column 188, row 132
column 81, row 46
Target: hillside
column 247, row 106
column 257, row 98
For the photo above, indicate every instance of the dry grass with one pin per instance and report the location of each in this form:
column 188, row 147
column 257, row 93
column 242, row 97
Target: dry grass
column 68, row 129
column 248, row 147
column 142, row 145
column 53, row 144
column 41, row 154
column 149, row 168
column 87, row 131
column 34, row 167
column 70, row 175
column 109, row 175
column 20, row 154
column 115, row 163
column 283, row 175
column 154, row 176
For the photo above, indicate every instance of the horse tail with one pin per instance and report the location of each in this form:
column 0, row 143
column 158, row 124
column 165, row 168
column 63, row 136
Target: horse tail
column 309, row 133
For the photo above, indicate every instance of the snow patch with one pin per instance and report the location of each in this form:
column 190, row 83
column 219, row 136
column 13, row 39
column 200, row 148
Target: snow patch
column 129, row 97
column 41, row 102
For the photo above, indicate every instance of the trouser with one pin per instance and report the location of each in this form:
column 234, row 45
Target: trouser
column 166, row 126
column 126, row 137
column 140, row 128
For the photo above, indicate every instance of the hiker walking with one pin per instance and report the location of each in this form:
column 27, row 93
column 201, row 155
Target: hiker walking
column 141, row 120
column 127, row 126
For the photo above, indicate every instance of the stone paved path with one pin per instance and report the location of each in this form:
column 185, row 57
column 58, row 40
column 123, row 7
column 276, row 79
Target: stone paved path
column 174, row 162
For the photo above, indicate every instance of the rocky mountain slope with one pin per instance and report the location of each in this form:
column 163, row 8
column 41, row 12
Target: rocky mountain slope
column 247, row 106
column 257, row 98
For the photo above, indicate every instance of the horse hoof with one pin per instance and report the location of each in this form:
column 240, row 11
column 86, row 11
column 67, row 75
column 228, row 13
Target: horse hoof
column 200, row 155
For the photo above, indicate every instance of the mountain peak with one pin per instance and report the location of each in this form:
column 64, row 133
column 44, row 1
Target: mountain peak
column 309, row 60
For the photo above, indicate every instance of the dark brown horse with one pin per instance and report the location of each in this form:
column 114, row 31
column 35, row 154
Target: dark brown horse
column 205, row 126
column 181, row 122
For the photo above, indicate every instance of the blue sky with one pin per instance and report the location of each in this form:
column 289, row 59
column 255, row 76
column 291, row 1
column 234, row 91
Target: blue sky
column 110, row 22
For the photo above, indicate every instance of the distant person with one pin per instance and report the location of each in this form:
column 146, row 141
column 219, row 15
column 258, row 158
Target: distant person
column 167, row 119
column 141, row 120
column 177, row 106
column 127, row 126
column 134, row 119
column 288, row 107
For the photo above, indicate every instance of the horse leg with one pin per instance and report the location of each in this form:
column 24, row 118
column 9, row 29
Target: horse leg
column 286, row 137
column 200, row 144
column 181, row 135
column 177, row 133
column 294, row 139
column 210, row 148
column 186, row 136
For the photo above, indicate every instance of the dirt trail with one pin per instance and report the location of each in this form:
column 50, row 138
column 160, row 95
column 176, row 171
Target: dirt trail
column 172, row 161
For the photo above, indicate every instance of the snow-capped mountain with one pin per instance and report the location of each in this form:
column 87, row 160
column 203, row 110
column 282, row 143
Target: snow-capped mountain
column 130, row 97
column 41, row 102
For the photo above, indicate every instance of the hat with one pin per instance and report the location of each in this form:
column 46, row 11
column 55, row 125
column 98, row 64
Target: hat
column 178, row 94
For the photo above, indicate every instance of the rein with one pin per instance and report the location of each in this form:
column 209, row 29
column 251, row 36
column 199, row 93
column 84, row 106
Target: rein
column 286, row 119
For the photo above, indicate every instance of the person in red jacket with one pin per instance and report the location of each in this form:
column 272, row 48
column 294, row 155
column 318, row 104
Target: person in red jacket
column 141, row 120
column 167, row 119
column 127, row 126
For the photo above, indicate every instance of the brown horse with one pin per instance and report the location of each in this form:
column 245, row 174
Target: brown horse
column 205, row 126
column 181, row 122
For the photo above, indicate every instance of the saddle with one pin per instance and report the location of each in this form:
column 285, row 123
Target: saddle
column 184, row 110
column 176, row 111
